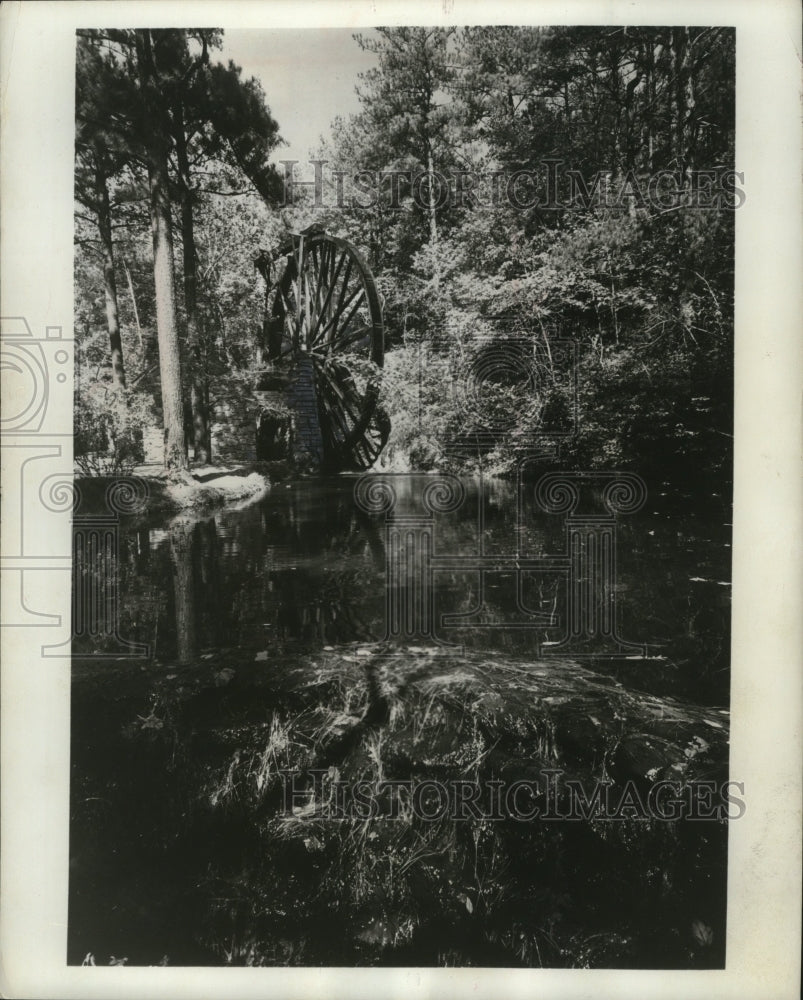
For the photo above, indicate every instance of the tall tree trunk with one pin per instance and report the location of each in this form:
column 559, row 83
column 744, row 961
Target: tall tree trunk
column 616, row 111
column 678, row 89
column 197, row 375
column 133, row 303
column 104, row 215
column 690, row 101
column 175, row 456
column 175, row 449
column 595, row 95
column 685, row 121
column 649, row 69
column 433, row 219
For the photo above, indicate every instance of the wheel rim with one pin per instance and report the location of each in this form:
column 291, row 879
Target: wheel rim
column 327, row 308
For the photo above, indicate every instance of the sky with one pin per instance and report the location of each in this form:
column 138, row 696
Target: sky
column 308, row 75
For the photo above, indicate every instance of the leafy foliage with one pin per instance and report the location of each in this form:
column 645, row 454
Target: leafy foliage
column 643, row 287
column 108, row 429
column 645, row 292
column 161, row 135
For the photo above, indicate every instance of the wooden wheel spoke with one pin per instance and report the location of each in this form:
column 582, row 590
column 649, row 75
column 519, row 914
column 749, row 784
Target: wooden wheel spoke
column 335, row 414
column 326, row 303
column 337, row 388
column 320, row 256
column 337, row 410
column 344, row 324
column 354, row 337
column 360, row 420
column 333, row 324
column 289, row 314
column 299, row 279
column 343, row 289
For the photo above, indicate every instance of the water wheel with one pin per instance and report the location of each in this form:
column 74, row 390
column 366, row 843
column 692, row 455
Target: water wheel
column 325, row 324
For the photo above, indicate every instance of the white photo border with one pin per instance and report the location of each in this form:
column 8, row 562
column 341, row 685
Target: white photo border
column 37, row 55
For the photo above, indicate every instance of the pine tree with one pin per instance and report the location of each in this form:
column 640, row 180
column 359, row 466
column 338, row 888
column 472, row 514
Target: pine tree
column 215, row 116
column 405, row 101
column 98, row 157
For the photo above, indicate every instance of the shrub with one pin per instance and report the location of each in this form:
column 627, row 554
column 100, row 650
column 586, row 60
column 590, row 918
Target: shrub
column 109, row 430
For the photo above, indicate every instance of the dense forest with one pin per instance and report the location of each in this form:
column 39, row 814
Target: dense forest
column 508, row 186
column 548, row 216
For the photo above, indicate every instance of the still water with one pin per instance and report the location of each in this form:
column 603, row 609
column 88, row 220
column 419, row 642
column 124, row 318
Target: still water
column 255, row 621
column 305, row 568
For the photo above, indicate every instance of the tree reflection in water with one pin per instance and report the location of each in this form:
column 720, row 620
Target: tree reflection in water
column 256, row 620
column 305, row 568
column 300, row 570
column 182, row 545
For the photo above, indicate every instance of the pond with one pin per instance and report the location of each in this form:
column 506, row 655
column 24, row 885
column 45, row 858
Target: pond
column 279, row 643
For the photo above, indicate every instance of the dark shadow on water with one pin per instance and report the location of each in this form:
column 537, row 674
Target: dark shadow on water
column 183, row 848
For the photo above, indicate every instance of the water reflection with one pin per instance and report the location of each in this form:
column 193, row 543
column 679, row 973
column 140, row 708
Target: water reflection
column 182, row 546
column 263, row 626
column 306, row 568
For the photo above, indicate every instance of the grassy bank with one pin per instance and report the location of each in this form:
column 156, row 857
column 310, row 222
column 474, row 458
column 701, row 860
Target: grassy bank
column 182, row 771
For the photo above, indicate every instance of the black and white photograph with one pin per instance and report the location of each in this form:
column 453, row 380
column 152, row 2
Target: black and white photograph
column 419, row 652
column 402, row 602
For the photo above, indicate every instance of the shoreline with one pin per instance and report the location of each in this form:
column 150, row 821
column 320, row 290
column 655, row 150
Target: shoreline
column 150, row 490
